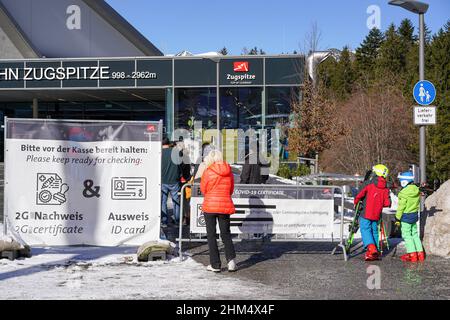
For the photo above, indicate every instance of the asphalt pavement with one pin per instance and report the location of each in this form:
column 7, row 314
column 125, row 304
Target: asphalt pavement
column 307, row 270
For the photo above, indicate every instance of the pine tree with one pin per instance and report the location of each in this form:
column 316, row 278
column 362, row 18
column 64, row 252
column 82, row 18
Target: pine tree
column 367, row 53
column 428, row 35
column 438, row 71
column 412, row 70
column 392, row 53
column 410, row 50
column 224, row 51
column 344, row 76
column 396, row 60
column 406, row 32
column 325, row 73
column 253, row 51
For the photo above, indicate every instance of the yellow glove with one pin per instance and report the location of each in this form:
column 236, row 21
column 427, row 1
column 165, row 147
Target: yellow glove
column 397, row 223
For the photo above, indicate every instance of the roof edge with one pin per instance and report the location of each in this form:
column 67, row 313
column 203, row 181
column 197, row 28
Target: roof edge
column 16, row 35
column 104, row 10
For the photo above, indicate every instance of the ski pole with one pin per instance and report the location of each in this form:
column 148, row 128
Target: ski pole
column 385, row 236
column 380, row 232
column 379, row 238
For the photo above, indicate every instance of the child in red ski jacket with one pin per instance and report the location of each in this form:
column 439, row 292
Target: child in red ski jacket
column 374, row 197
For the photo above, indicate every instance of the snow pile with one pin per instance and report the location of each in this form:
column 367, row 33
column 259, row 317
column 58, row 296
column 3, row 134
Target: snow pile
column 6, row 239
column 115, row 273
column 437, row 225
column 151, row 247
column 8, row 243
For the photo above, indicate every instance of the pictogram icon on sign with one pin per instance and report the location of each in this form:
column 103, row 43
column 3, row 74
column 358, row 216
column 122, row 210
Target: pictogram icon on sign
column 240, row 66
column 50, row 190
column 424, row 93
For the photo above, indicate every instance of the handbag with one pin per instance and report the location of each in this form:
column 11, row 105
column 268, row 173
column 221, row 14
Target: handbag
column 188, row 190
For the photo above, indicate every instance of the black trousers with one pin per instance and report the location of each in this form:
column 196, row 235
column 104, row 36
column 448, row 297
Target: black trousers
column 225, row 234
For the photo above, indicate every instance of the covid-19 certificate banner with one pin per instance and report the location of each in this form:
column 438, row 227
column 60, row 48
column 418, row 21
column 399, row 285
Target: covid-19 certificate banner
column 274, row 209
column 82, row 182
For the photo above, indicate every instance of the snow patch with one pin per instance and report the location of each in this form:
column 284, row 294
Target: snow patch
column 6, row 238
column 115, row 273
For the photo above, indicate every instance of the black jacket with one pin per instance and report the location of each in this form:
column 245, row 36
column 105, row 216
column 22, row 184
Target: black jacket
column 170, row 172
column 251, row 174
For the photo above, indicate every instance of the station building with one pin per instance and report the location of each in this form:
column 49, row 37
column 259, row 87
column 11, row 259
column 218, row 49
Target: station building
column 80, row 59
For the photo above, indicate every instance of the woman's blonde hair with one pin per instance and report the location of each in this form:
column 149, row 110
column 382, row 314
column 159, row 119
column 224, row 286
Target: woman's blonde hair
column 212, row 157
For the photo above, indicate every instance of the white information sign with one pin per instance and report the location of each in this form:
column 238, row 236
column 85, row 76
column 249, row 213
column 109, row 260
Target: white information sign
column 424, row 115
column 82, row 183
column 273, row 216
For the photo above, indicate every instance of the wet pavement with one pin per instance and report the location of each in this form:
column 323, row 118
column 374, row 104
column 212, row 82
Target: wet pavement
column 304, row 270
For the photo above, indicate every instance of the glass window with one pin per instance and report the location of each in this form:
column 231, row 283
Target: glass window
column 240, row 108
column 149, row 111
column 195, row 72
column 16, row 110
column 279, row 100
column 61, row 110
column 126, row 110
column 195, row 104
column 108, row 111
column 285, row 70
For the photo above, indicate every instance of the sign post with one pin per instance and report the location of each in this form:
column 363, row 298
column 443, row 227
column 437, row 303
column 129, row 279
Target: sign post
column 424, row 93
column 424, row 116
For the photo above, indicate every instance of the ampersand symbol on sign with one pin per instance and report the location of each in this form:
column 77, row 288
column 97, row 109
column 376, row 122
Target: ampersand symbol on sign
column 88, row 192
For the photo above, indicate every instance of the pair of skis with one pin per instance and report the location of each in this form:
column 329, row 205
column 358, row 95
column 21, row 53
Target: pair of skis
column 354, row 227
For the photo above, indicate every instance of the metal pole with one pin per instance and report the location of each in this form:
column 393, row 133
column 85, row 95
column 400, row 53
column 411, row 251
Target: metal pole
column 219, row 145
column 342, row 215
column 180, row 224
column 316, row 164
column 422, row 133
column 5, row 199
column 35, row 108
column 173, row 102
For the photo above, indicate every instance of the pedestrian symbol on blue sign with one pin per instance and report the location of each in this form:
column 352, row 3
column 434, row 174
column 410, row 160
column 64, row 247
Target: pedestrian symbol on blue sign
column 424, row 93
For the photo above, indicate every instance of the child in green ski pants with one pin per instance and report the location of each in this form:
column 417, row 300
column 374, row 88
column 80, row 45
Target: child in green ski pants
column 407, row 216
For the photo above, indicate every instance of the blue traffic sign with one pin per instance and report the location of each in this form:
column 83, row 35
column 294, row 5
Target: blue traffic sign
column 424, row 93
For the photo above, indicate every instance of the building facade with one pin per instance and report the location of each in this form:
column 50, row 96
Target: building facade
column 80, row 59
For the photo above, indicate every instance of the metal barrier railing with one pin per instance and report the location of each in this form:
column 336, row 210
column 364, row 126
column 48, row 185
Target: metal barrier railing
column 2, row 185
column 299, row 189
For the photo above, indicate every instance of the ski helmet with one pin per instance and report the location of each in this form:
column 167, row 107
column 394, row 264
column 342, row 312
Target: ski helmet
column 381, row 170
column 405, row 178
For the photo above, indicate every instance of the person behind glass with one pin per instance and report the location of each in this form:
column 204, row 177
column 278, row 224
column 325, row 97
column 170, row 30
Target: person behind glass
column 253, row 170
column 186, row 176
column 217, row 186
column 170, row 181
column 199, row 167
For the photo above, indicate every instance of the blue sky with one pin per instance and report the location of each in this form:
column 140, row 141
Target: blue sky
column 275, row 26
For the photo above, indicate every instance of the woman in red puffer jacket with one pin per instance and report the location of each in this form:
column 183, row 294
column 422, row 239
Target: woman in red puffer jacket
column 217, row 186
